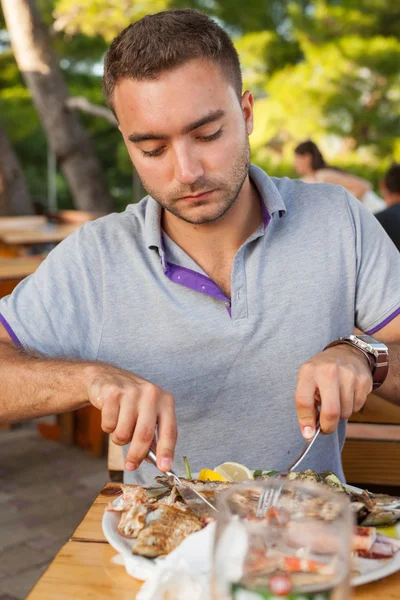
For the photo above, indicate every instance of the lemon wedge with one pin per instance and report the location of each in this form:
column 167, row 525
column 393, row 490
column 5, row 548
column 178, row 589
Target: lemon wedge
column 210, row 475
column 234, row 472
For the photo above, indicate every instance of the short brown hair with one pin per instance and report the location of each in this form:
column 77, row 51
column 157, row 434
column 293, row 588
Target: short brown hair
column 392, row 179
column 166, row 40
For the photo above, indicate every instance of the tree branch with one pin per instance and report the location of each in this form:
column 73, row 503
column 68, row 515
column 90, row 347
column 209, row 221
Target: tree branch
column 82, row 104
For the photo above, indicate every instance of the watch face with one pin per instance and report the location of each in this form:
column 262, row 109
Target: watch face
column 370, row 344
column 368, row 339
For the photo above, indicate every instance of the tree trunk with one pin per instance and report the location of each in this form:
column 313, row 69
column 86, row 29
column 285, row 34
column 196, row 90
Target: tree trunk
column 69, row 141
column 14, row 194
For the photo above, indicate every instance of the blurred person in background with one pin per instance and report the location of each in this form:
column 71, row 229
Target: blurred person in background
column 390, row 217
column 310, row 164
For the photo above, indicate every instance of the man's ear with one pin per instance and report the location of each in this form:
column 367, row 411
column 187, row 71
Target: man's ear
column 247, row 108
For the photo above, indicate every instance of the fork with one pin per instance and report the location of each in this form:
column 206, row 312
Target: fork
column 269, row 496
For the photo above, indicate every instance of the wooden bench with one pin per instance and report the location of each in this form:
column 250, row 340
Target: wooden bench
column 371, row 454
column 115, row 461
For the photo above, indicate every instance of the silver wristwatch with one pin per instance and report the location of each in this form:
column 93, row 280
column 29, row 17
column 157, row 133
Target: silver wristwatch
column 375, row 351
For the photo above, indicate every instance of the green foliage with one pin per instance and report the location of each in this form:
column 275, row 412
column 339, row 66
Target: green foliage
column 253, row 15
column 104, row 18
column 263, row 53
column 346, row 85
column 327, row 20
column 325, row 69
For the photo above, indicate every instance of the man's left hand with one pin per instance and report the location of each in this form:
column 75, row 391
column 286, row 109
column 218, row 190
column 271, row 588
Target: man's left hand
column 339, row 380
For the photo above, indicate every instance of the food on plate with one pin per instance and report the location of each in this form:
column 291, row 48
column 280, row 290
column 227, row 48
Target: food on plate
column 325, row 477
column 379, row 510
column 210, row 475
column 368, row 543
column 233, row 471
column 208, row 489
column 364, row 538
column 164, row 529
column 157, row 524
column 372, row 510
column 158, row 520
column 229, row 471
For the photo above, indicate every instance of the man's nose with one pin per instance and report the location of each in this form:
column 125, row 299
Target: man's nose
column 188, row 167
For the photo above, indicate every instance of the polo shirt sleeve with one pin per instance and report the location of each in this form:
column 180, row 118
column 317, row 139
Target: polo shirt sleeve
column 57, row 311
column 377, row 294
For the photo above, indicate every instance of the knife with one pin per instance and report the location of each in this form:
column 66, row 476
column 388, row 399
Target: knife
column 196, row 501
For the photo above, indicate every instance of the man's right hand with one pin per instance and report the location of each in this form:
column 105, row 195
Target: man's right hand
column 132, row 409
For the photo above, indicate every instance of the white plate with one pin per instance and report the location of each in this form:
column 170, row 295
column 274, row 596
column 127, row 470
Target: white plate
column 141, row 568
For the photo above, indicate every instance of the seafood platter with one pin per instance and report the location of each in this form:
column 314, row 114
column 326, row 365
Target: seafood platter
column 150, row 522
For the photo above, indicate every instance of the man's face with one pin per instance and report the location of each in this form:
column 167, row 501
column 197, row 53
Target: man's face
column 187, row 135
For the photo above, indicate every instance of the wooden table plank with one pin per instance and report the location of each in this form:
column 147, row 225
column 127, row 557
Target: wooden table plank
column 377, row 410
column 84, row 571
column 373, row 431
column 386, row 589
column 19, row 267
column 369, row 461
column 90, row 527
column 24, row 222
column 42, row 235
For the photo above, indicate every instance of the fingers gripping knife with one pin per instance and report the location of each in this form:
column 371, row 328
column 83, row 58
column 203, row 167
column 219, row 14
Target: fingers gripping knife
column 196, row 501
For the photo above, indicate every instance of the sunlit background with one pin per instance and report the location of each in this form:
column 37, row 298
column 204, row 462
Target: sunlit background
column 320, row 69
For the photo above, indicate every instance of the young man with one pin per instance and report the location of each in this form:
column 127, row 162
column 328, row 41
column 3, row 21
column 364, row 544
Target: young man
column 207, row 306
column 390, row 217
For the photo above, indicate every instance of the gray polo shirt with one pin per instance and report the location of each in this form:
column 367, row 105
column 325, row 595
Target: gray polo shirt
column 120, row 291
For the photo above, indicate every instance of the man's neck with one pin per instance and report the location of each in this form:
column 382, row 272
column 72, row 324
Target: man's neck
column 224, row 236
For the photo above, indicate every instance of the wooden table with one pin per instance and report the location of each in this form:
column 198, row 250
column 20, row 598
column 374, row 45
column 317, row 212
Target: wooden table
column 84, row 567
column 19, row 267
column 13, row 270
column 45, row 234
column 14, row 242
column 25, row 222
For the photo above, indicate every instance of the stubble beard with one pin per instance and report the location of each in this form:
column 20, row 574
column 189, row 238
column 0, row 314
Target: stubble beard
column 231, row 186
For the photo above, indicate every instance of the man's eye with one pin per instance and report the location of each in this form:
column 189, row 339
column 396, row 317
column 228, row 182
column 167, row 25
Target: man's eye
column 210, row 138
column 155, row 152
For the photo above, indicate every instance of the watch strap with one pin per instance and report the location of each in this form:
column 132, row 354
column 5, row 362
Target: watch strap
column 378, row 361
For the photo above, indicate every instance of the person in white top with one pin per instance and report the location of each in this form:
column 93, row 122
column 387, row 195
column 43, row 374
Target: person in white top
column 310, row 164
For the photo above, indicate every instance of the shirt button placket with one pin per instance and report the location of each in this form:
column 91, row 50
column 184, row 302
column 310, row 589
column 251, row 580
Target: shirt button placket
column 239, row 304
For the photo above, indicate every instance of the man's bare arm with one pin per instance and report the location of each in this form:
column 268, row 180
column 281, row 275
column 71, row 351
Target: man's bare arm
column 390, row 335
column 132, row 408
column 35, row 386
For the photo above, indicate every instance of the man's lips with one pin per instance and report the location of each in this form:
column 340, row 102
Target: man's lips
column 197, row 197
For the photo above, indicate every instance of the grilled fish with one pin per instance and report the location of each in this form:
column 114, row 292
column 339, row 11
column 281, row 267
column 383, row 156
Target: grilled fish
column 157, row 522
column 164, row 529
